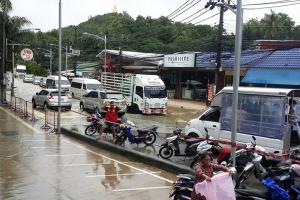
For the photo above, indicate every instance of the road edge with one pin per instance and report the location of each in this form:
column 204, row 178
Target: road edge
column 150, row 160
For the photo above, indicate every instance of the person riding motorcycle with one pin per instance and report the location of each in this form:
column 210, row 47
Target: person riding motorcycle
column 204, row 171
column 111, row 119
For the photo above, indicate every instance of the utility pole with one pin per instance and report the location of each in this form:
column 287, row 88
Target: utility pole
column 2, row 69
column 220, row 74
column 59, row 71
column 66, row 60
column 51, row 57
column 75, row 44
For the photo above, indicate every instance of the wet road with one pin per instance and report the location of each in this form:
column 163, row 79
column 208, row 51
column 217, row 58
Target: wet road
column 176, row 117
column 35, row 165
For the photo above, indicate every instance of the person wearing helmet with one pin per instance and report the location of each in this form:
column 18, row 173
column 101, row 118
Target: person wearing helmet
column 111, row 119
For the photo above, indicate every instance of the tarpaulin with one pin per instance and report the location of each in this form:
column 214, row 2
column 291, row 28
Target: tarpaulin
column 221, row 187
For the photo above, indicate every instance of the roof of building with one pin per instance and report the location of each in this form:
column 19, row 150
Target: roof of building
column 152, row 58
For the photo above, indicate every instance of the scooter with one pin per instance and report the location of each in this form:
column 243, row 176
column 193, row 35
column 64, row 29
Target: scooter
column 145, row 135
column 96, row 123
column 171, row 146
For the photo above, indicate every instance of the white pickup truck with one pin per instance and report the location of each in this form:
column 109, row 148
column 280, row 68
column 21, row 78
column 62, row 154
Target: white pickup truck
column 144, row 93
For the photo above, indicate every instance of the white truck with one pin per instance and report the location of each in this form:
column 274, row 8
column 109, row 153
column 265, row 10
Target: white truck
column 20, row 71
column 144, row 93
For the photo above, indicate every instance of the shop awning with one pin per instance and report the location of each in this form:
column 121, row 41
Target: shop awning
column 273, row 76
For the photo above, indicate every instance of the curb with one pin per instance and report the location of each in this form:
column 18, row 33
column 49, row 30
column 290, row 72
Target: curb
column 150, row 160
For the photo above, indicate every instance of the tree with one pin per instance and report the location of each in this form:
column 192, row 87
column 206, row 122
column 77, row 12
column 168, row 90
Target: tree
column 34, row 68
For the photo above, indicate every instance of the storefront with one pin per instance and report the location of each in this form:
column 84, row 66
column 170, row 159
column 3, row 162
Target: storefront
column 183, row 80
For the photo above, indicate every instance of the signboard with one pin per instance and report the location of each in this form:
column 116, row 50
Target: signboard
column 179, row 60
column 75, row 52
column 211, row 91
column 27, row 54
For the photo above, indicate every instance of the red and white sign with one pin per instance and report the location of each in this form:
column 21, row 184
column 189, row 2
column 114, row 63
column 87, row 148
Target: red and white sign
column 27, row 54
column 211, row 91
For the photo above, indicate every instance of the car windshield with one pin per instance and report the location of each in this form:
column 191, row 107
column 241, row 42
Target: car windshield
column 116, row 96
column 55, row 94
column 94, row 86
column 64, row 82
column 28, row 76
column 155, row 92
column 37, row 78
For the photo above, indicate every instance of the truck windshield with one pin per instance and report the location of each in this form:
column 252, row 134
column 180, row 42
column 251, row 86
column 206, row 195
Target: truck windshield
column 21, row 70
column 155, row 92
column 94, row 87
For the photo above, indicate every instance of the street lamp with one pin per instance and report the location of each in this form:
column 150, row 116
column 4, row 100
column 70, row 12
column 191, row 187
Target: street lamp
column 12, row 44
column 59, row 68
column 99, row 38
column 236, row 73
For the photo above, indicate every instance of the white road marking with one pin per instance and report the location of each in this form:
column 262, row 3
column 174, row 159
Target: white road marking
column 38, row 140
column 63, row 155
column 119, row 162
column 129, row 174
column 44, row 147
column 143, row 188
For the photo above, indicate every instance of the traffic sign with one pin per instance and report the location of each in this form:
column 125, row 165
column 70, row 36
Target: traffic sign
column 75, row 52
column 27, row 54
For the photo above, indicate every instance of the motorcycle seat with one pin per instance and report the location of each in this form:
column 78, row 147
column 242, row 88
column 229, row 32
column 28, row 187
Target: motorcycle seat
column 253, row 192
column 192, row 141
column 148, row 129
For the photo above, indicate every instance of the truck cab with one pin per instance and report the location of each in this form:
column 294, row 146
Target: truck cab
column 262, row 112
column 149, row 95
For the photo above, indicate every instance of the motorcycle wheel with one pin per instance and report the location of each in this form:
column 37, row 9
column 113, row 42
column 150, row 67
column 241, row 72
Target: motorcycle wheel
column 120, row 139
column 183, row 194
column 166, row 152
column 90, row 130
column 150, row 138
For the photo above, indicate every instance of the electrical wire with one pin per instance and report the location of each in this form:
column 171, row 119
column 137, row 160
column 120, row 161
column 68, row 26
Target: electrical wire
column 198, row 16
column 179, row 8
column 185, row 10
column 279, row 6
column 197, row 23
column 192, row 15
column 274, row 2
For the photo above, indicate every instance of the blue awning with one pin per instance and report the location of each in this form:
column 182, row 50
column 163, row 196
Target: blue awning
column 273, row 77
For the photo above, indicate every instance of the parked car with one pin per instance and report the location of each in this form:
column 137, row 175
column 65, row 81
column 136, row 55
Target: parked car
column 28, row 78
column 82, row 86
column 48, row 98
column 52, row 83
column 37, row 80
column 98, row 99
column 43, row 82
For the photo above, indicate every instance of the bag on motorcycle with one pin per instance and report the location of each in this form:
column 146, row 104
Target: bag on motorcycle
column 275, row 190
column 221, row 187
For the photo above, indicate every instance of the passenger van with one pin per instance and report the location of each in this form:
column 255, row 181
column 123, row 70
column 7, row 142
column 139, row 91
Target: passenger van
column 262, row 112
column 52, row 83
column 82, row 86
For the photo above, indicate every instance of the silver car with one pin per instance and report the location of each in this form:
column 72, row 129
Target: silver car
column 37, row 80
column 28, row 78
column 97, row 100
column 48, row 98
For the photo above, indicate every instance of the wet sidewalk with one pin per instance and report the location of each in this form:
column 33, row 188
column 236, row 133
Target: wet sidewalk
column 38, row 165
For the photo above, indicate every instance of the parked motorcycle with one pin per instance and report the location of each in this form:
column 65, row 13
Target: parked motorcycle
column 96, row 123
column 171, row 146
column 145, row 135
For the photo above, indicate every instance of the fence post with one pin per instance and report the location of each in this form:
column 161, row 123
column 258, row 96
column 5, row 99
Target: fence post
column 46, row 126
column 54, row 126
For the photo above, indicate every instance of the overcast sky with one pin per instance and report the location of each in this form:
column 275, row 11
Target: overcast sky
column 44, row 13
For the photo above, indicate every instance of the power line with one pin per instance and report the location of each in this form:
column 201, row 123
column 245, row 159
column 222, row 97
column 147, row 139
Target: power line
column 197, row 23
column 279, row 6
column 198, row 16
column 178, row 9
column 274, row 2
column 192, row 15
column 185, row 10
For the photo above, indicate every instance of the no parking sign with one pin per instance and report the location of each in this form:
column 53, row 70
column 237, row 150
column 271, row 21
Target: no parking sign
column 27, row 54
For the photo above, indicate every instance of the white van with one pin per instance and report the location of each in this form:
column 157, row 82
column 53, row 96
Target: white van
column 262, row 112
column 52, row 83
column 82, row 86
